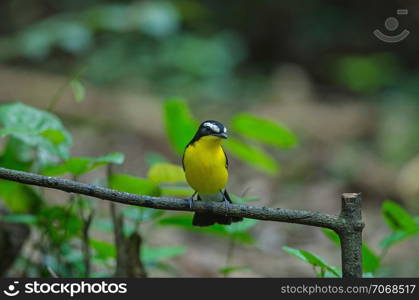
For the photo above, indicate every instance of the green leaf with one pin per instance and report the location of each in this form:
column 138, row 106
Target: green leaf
column 154, row 255
column 252, row 156
column 78, row 165
column 396, row 237
column 54, row 170
column 81, row 165
column 310, row 258
column 180, row 126
column 16, row 155
column 336, row 274
column 103, row 249
column 55, row 136
column 166, row 173
column 229, row 270
column 78, row 89
column 370, row 260
column 170, row 178
column 20, row 218
column 268, row 132
column 134, row 185
column 176, row 191
column 36, row 128
column 333, row 236
column 19, row 198
column 397, row 218
column 74, row 165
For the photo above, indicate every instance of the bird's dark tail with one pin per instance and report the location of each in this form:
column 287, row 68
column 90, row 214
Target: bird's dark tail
column 208, row 219
column 205, row 219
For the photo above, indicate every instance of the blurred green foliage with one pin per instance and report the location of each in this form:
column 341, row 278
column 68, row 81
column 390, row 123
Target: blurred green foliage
column 314, row 260
column 77, row 166
column 35, row 128
column 36, row 141
column 207, row 50
column 368, row 73
column 265, row 131
column 78, row 89
column 134, row 185
column 179, row 124
column 18, row 197
column 131, row 42
column 400, row 222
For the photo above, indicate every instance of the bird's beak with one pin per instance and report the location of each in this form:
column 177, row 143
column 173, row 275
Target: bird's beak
column 222, row 135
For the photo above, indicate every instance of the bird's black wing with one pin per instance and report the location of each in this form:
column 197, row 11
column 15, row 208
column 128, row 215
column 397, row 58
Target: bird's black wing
column 194, row 139
column 226, row 159
column 183, row 157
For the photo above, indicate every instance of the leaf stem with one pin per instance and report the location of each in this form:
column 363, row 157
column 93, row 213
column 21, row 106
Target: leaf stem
column 57, row 96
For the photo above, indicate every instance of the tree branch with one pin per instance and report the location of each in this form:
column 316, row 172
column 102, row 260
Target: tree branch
column 252, row 212
column 348, row 225
column 351, row 235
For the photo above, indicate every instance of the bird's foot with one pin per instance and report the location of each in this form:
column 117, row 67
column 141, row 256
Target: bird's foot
column 226, row 205
column 191, row 200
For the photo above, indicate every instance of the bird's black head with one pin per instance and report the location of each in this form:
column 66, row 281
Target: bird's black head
column 211, row 128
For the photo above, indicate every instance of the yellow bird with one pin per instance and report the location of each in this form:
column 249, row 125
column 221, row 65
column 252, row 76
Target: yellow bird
column 206, row 170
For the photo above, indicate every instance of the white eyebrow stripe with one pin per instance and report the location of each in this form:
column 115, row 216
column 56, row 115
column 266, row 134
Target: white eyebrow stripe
column 225, row 130
column 212, row 126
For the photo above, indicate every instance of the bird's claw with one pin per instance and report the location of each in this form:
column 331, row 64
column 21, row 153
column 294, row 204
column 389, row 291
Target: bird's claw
column 190, row 200
column 226, row 205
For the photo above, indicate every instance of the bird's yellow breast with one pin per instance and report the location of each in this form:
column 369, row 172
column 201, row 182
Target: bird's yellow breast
column 205, row 165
